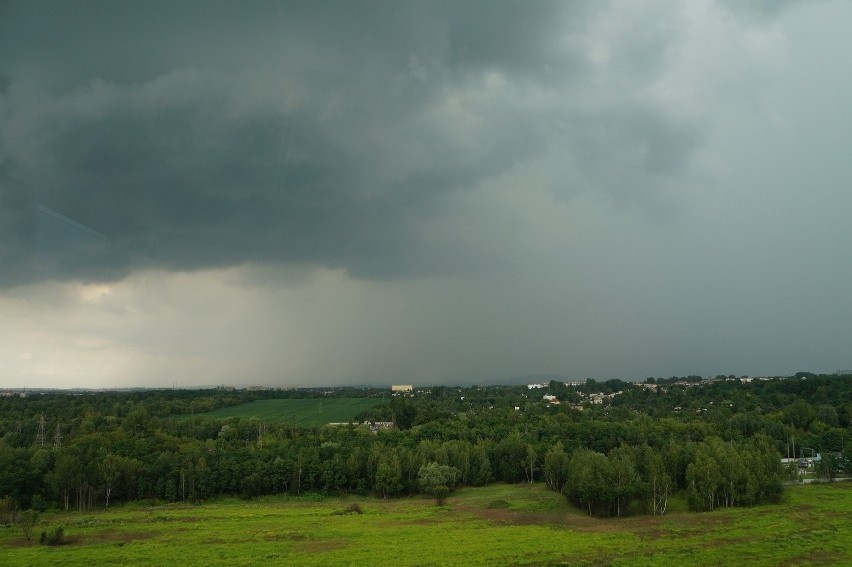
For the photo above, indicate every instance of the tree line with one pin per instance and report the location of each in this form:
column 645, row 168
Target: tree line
column 624, row 457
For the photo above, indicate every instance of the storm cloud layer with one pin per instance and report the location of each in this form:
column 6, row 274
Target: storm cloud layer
column 595, row 188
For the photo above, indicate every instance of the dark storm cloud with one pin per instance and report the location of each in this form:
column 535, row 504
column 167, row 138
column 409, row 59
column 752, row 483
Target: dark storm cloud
column 195, row 135
column 315, row 192
column 756, row 10
column 631, row 151
column 509, row 36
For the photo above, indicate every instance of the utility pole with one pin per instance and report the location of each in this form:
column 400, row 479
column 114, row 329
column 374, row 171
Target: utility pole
column 261, row 429
column 40, row 434
column 57, row 438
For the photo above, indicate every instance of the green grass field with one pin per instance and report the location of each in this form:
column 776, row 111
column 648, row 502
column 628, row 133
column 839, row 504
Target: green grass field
column 494, row 525
column 311, row 411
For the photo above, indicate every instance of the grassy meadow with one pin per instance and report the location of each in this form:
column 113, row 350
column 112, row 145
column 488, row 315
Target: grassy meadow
column 494, row 525
column 307, row 412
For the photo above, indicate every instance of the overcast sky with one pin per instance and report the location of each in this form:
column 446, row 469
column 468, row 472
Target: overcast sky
column 319, row 193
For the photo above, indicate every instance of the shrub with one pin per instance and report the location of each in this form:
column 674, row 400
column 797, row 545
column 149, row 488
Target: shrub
column 27, row 522
column 55, row 537
column 353, row 508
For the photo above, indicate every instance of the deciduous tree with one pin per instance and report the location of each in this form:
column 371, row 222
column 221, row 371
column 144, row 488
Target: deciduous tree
column 437, row 480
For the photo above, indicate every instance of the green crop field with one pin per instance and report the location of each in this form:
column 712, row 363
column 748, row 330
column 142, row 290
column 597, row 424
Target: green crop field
column 309, row 411
column 495, row 525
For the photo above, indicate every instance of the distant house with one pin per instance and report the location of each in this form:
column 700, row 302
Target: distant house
column 402, row 390
column 374, row 426
column 534, row 386
column 599, row 398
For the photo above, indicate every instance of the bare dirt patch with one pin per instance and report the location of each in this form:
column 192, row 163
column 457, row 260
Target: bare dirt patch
column 418, row 522
column 21, row 543
column 287, row 536
column 89, row 539
column 643, row 526
column 815, row 558
column 104, row 537
column 322, row 546
column 503, row 516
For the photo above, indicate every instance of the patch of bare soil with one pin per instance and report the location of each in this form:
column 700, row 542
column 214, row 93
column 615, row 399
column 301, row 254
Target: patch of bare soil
column 289, row 536
column 643, row 526
column 816, row 558
column 180, row 519
column 693, row 523
column 726, row 541
column 505, row 516
column 419, row 522
column 322, row 546
column 92, row 539
column 21, row 542
column 107, row 537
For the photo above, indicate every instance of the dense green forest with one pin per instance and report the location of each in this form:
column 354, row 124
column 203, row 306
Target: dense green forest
column 612, row 448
